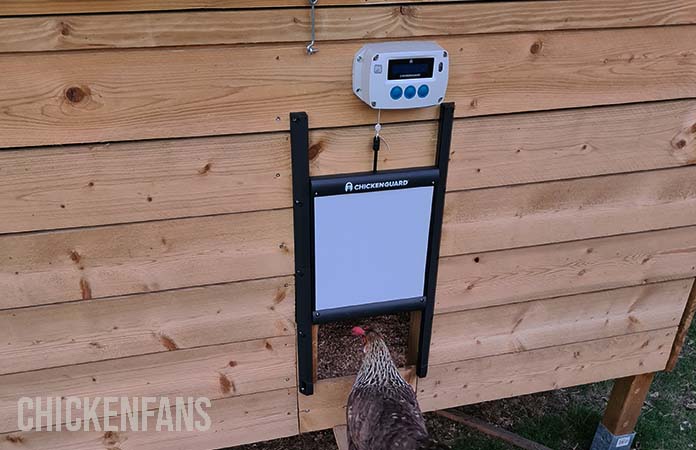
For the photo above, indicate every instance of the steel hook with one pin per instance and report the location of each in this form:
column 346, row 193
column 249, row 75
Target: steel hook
column 310, row 47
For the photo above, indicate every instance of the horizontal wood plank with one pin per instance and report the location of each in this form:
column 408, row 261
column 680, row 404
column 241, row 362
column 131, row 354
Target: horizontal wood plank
column 94, row 330
column 83, row 264
column 39, row 7
column 235, row 421
column 484, row 379
column 511, row 276
column 534, row 214
column 26, row 34
column 215, row 372
column 91, row 99
column 563, row 320
column 534, row 147
column 327, row 407
column 138, row 181
column 87, row 185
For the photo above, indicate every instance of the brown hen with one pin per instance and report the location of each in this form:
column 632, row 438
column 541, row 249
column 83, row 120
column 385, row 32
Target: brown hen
column 383, row 413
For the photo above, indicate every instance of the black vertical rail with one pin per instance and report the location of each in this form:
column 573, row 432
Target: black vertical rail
column 299, row 143
column 444, row 141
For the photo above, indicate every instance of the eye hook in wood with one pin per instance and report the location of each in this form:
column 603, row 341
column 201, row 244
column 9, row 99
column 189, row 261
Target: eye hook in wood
column 311, row 49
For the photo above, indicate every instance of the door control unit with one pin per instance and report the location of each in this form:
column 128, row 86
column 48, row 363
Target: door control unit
column 401, row 75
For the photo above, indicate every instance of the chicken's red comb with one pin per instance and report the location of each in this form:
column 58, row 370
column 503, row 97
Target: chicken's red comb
column 357, row 331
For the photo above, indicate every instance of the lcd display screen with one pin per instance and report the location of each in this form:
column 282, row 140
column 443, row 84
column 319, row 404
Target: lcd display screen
column 406, row 69
column 371, row 247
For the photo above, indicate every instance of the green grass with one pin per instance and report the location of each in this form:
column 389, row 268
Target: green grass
column 567, row 419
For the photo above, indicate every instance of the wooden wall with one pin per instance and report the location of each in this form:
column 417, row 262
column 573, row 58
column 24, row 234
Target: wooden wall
column 145, row 224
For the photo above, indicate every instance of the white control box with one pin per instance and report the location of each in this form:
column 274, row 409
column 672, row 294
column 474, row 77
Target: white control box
column 401, row 75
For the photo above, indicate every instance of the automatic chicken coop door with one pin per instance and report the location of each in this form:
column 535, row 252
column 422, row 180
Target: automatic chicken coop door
column 365, row 243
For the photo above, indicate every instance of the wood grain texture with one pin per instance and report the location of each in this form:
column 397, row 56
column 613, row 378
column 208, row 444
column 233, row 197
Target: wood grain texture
column 341, row 436
column 502, row 376
column 118, row 183
column 235, row 421
column 534, row 214
column 684, row 328
column 83, row 264
column 511, row 276
column 327, row 407
column 215, row 372
column 94, row 330
column 87, row 97
column 107, row 184
column 534, row 147
column 626, row 403
column 563, row 320
column 40, row 7
column 26, row 34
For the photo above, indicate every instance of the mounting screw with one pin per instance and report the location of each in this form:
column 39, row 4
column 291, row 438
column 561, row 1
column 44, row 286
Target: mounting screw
column 374, row 103
column 299, row 272
column 375, row 58
column 359, row 58
column 439, row 99
column 298, row 203
column 316, row 314
column 302, row 334
column 422, row 300
column 444, row 54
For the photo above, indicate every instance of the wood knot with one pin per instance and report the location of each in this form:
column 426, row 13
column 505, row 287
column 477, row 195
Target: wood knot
column 205, row 169
column 14, row 438
column 64, row 28
column 85, row 289
column 76, row 94
column 280, row 295
column 75, row 256
column 226, row 385
column 168, row 342
column 680, row 144
column 111, row 439
column 315, row 150
column 406, row 10
column 536, row 48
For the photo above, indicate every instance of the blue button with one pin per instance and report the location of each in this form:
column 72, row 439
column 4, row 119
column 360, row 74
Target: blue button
column 410, row 92
column 423, row 90
column 396, row 93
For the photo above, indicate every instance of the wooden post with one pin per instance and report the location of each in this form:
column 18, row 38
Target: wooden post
column 315, row 352
column 413, row 338
column 626, row 402
column 341, row 435
column 623, row 410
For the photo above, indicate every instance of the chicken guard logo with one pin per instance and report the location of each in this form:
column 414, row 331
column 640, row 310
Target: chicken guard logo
column 350, row 187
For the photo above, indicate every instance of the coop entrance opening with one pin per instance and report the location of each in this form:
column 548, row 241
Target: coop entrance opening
column 366, row 244
column 338, row 352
